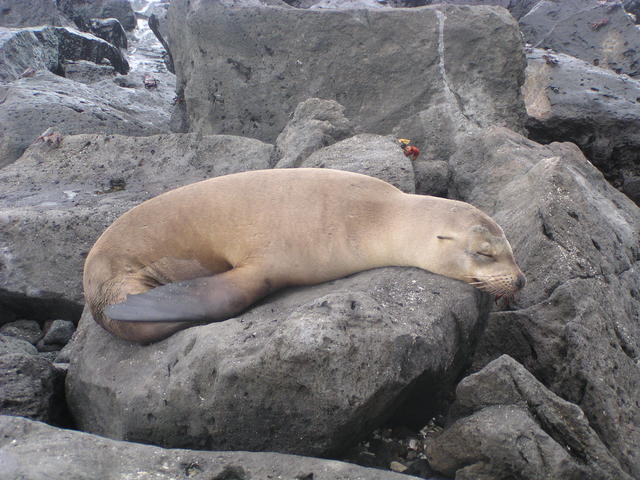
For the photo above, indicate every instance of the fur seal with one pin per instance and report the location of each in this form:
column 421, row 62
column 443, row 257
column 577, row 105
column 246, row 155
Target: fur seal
column 207, row 251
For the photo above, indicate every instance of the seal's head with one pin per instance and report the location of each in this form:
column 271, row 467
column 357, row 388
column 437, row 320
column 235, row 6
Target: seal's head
column 491, row 262
column 482, row 256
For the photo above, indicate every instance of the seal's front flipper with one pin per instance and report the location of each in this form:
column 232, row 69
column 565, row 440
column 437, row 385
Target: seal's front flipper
column 199, row 300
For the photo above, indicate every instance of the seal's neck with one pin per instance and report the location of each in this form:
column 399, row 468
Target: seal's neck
column 417, row 227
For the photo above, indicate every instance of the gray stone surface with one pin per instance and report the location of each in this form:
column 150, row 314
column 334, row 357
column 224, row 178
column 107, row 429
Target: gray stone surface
column 309, row 371
column 87, row 72
column 369, row 154
column 633, row 7
column 30, row 106
column 600, row 33
column 243, row 70
column 57, row 336
column 569, row 99
column 28, row 330
column 37, row 451
column 55, row 202
column 315, row 124
column 30, row 386
column 82, row 11
column 47, row 47
column 432, row 177
column 11, row 344
column 575, row 325
column 110, row 30
column 510, row 426
column 31, row 13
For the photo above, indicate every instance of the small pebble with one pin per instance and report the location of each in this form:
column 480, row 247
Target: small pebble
column 397, row 467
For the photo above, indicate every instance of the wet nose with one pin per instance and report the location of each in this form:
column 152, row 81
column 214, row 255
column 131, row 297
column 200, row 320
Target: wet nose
column 521, row 281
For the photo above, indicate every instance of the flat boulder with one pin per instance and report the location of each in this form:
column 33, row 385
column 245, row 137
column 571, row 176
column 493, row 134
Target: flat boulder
column 601, row 33
column 57, row 200
column 243, row 69
column 31, row 13
column 47, row 47
column 30, row 106
column 37, row 451
column 81, row 12
column 568, row 99
column 374, row 155
column 308, row 371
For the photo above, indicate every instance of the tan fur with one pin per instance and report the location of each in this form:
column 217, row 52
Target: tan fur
column 273, row 228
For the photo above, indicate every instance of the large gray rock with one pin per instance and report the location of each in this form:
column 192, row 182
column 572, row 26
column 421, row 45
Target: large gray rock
column 37, row 451
column 30, row 386
column 518, row 8
column 315, row 124
column 372, row 155
column 31, row 13
column 511, row 426
column 30, row 106
column 600, row 33
column 568, row 99
column 28, row 330
column 11, row 344
column 309, row 371
column 87, row 72
column 242, row 70
column 110, row 30
column 81, row 11
column 576, row 238
column 47, row 47
column 55, row 202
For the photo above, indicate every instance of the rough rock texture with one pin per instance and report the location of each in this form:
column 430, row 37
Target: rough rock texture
column 28, row 330
column 30, row 13
column 368, row 154
column 87, row 72
column 432, row 177
column 109, row 30
column 30, row 106
column 37, row 451
column 347, row 4
column 11, row 344
column 633, row 7
column 315, row 124
column 511, row 426
column 575, row 325
column 31, row 387
column 22, row 49
column 518, row 8
column 57, row 336
column 81, row 11
column 242, row 70
column 55, row 202
column 569, row 99
column 47, row 47
column 309, row 371
column 600, row 33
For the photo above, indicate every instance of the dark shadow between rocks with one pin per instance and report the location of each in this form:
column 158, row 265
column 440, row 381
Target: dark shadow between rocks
column 15, row 305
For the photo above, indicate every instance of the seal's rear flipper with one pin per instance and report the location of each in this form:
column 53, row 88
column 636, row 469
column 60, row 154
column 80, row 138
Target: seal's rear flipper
column 199, row 300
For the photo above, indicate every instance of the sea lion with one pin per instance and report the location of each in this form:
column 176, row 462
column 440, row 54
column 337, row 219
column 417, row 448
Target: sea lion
column 207, row 251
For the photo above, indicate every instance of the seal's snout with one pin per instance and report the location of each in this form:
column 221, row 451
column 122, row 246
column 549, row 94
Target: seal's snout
column 520, row 282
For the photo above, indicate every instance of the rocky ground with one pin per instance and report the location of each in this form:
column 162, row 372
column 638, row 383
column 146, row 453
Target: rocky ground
column 528, row 109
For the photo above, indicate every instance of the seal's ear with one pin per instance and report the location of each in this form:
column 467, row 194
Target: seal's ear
column 444, row 237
